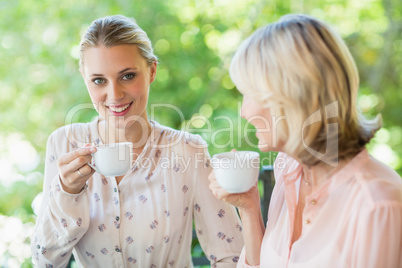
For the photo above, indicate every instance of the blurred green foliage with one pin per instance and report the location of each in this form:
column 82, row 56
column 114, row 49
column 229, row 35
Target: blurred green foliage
column 194, row 40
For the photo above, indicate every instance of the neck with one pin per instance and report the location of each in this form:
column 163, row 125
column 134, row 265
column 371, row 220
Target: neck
column 317, row 175
column 136, row 132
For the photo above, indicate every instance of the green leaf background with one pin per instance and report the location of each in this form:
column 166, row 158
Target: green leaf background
column 194, row 40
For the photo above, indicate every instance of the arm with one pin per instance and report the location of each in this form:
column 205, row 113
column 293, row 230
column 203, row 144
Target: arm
column 253, row 232
column 217, row 224
column 63, row 217
column 379, row 237
column 250, row 212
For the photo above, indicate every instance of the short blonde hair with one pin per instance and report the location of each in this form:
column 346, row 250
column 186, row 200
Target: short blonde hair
column 296, row 67
column 117, row 30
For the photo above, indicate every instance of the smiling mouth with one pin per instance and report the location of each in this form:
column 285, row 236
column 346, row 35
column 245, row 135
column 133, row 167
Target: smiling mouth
column 119, row 109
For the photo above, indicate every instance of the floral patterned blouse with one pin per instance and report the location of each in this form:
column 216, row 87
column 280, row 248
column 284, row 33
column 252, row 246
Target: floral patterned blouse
column 144, row 221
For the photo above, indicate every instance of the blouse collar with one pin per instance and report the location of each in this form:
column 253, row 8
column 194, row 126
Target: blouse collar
column 294, row 170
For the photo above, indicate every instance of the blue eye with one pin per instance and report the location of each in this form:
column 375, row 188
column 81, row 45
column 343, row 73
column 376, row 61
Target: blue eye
column 98, row 81
column 128, row 76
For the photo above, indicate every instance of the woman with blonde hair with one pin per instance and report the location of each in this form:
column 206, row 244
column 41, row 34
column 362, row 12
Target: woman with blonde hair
column 145, row 217
column 333, row 205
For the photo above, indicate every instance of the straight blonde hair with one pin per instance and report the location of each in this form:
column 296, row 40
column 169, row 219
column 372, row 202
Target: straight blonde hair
column 299, row 66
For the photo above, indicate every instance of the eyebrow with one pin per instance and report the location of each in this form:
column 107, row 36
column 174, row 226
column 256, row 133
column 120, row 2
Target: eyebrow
column 122, row 71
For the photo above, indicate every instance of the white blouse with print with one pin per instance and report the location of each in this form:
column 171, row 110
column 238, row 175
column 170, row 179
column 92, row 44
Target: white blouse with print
column 144, row 221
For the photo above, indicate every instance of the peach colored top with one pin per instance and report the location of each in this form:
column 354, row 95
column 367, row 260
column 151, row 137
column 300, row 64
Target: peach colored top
column 354, row 220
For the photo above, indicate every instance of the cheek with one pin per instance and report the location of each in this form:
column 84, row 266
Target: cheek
column 247, row 112
column 97, row 100
column 138, row 89
column 261, row 123
column 139, row 93
column 94, row 95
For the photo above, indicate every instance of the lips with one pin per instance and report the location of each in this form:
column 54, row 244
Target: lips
column 119, row 110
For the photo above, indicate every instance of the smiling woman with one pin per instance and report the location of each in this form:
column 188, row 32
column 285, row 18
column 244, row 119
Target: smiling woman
column 118, row 80
column 146, row 215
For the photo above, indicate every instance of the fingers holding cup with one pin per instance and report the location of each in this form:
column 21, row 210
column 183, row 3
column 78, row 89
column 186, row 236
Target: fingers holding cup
column 73, row 169
column 85, row 171
column 215, row 188
column 234, row 178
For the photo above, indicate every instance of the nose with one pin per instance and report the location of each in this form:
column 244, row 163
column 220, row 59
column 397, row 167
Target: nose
column 115, row 91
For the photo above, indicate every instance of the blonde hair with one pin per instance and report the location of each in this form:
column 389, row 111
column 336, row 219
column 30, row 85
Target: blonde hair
column 117, row 30
column 296, row 67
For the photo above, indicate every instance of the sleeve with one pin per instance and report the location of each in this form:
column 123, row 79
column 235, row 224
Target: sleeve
column 242, row 261
column 379, row 238
column 62, row 220
column 217, row 224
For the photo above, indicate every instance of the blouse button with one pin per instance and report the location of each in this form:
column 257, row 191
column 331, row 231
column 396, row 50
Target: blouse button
column 115, row 189
column 313, row 202
column 307, row 221
column 117, row 218
column 37, row 246
column 117, row 250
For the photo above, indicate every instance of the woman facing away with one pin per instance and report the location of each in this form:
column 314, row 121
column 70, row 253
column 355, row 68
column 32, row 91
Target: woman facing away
column 333, row 205
column 144, row 218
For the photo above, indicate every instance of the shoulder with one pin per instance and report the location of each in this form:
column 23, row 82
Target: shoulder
column 68, row 130
column 172, row 138
column 72, row 136
column 190, row 149
column 380, row 184
column 284, row 164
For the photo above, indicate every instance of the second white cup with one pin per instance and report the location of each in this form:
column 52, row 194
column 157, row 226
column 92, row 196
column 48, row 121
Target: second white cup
column 237, row 171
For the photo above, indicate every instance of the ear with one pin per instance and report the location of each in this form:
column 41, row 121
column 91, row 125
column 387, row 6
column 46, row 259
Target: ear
column 153, row 72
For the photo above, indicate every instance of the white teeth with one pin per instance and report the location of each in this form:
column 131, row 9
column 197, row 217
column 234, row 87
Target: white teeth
column 120, row 109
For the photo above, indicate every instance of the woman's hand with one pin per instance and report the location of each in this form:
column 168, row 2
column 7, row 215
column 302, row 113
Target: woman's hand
column 243, row 201
column 73, row 169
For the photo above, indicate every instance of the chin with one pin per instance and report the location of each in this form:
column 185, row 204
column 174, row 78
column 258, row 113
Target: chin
column 123, row 125
column 265, row 147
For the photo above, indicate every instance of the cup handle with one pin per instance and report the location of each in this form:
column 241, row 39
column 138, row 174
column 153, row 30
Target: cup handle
column 93, row 166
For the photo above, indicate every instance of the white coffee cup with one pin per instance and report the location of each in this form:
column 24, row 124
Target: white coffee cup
column 113, row 159
column 236, row 172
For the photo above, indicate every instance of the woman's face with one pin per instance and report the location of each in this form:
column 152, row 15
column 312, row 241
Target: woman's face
column 264, row 122
column 118, row 80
